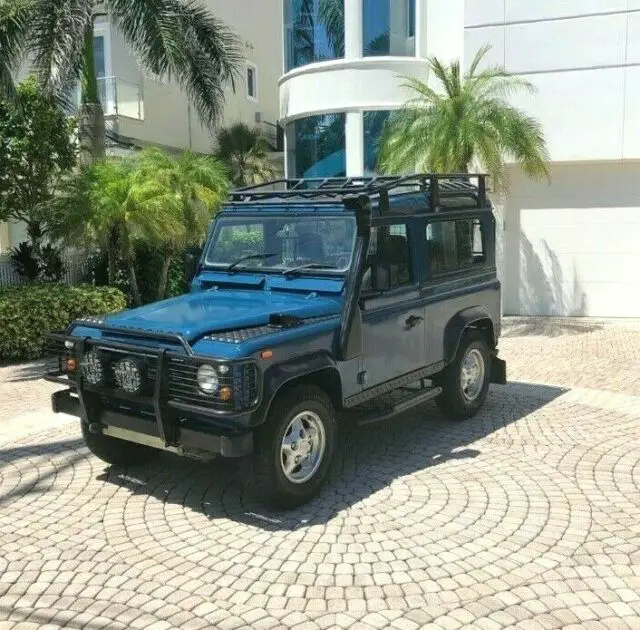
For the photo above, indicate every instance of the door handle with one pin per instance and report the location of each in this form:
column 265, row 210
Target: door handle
column 413, row 321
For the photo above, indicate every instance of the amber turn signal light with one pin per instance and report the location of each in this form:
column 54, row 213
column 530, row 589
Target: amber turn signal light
column 225, row 394
column 266, row 354
column 71, row 364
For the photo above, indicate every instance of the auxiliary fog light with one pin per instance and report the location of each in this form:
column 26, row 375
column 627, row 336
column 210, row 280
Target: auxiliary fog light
column 92, row 368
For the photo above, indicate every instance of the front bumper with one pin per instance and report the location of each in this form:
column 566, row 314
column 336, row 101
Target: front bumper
column 190, row 437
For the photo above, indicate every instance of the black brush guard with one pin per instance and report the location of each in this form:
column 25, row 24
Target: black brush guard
column 175, row 424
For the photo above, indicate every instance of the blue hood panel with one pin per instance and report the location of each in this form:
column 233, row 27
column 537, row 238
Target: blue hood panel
column 196, row 314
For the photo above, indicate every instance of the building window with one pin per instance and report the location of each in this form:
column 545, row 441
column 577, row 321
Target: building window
column 454, row 245
column 252, row 82
column 388, row 28
column 374, row 124
column 318, row 146
column 313, row 31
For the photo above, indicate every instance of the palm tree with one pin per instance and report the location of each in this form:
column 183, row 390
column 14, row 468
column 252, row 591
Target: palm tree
column 111, row 206
column 245, row 153
column 191, row 187
column 177, row 38
column 468, row 120
column 13, row 15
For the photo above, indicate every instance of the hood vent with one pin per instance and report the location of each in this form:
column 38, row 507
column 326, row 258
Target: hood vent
column 276, row 324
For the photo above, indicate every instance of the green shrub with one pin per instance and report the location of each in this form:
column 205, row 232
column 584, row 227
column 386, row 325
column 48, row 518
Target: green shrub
column 29, row 312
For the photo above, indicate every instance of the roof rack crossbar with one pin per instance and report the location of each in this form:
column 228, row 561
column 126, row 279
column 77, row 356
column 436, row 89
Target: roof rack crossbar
column 331, row 189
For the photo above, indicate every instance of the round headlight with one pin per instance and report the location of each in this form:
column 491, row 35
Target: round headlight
column 208, row 379
column 92, row 368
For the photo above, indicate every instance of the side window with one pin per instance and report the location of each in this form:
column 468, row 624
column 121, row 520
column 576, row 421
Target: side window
column 454, row 245
column 389, row 260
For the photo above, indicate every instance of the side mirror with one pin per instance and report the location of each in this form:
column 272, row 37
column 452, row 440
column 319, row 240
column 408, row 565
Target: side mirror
column 190, row 266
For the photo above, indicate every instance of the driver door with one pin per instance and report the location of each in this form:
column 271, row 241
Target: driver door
column 394, row 332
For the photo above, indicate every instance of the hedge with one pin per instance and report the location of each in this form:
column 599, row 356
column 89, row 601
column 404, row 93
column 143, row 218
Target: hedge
column 29, row 312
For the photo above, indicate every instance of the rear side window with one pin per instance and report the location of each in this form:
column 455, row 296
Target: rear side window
column 454, row 245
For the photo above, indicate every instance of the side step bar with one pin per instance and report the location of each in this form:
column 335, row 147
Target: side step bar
column 402, row 406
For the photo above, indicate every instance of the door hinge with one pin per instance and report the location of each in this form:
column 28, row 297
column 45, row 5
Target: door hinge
column 363, row 378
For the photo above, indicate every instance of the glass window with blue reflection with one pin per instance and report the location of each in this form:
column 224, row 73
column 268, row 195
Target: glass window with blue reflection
column 313, row 31
column 374, row 123
column 319, row 146
column 388, row 28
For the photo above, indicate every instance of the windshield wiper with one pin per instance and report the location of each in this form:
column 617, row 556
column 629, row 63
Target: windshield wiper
column 233, row 265
column 313, row 265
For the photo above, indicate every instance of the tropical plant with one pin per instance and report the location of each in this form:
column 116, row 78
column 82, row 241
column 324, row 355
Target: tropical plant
column 192, row 188
column 245, row 153
column 35, row 152
column 111, row 206
column 30, row 312
column 177, row 38
column 468, row 120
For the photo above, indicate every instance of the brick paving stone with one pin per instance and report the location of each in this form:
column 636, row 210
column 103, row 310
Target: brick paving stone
column 526, row 516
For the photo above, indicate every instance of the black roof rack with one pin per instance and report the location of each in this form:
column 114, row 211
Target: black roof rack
column 332, row 189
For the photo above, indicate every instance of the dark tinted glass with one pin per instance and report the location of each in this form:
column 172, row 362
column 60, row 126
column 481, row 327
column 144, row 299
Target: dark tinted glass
column 388, row 28
column 319, row 147
column 313, row 31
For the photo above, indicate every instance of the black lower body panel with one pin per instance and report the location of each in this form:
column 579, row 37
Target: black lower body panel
column 192, row 434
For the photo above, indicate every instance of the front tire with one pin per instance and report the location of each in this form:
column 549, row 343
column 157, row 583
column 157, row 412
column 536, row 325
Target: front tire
column 465, row 383
column 117, row 452
column 294, row 448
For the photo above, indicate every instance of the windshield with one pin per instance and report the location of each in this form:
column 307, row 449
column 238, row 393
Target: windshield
column 279, row 243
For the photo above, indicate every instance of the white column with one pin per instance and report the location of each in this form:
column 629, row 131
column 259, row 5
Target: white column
column 352, row 29
column 441, row 28
column 421, row 28
column 5, row 243
column 354, row 144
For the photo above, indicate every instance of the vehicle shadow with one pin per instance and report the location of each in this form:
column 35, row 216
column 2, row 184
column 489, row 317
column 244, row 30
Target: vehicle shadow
column 548, row 327
column 368, row 460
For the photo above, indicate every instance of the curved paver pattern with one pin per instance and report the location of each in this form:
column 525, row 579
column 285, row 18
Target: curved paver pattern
column 526, row 517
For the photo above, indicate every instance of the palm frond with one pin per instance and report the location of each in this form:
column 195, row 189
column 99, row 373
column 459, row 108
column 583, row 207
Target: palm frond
column 14, row 26
column 331, row 15
column 56, row 40
column 183, row 40
column 467, row 119
column 478, row 59
column 245, row 154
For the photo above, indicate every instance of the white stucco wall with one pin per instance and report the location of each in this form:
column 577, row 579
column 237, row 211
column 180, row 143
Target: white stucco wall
column 168, row 119
column 583, row 57
column 571, row 248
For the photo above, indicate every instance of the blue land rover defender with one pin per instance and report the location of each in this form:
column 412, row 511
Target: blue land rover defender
column 314, row 302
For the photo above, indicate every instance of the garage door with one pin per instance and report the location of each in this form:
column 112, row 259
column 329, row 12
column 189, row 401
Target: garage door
column 572, row 248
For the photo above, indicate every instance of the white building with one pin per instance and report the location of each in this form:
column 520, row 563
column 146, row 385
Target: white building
column 143, row 110
column 568, row 248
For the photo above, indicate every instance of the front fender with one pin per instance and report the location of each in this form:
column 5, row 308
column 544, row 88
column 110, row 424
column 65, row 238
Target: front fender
column 458, row 323
column 277, row 376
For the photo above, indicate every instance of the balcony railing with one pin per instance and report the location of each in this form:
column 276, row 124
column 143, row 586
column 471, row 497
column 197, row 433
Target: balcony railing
column 119, row 97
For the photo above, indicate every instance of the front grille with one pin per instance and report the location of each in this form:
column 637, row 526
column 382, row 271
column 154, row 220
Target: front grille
column 180, row 382
column 183, row 385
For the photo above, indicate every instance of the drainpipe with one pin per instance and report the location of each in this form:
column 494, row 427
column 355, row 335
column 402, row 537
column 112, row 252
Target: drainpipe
column 361, row 205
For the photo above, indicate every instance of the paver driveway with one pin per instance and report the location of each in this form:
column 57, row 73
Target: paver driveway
column 527, row 516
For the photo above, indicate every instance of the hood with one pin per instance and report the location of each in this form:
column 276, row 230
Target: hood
column 196, row 314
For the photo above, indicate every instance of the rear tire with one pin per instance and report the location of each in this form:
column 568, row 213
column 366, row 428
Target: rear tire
column 117, row 452
column 301, row 427
column 465, row 383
